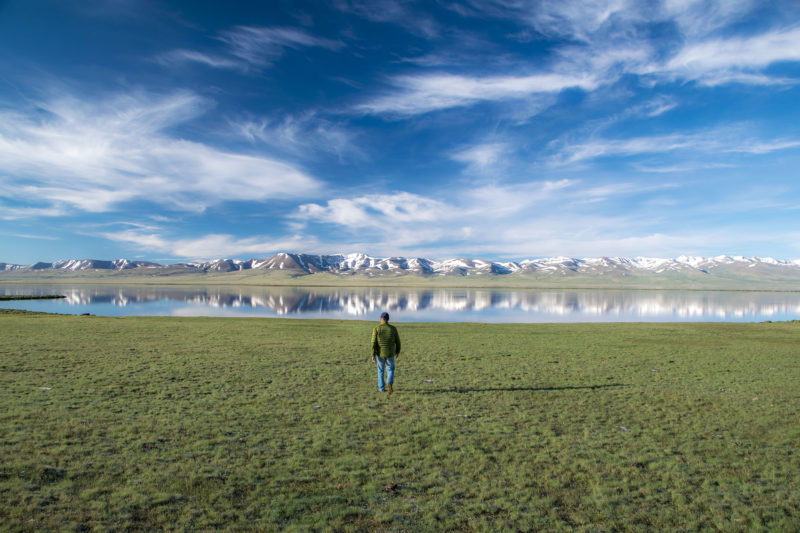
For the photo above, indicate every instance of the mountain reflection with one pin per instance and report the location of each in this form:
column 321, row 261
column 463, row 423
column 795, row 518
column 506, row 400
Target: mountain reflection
column 471, row 303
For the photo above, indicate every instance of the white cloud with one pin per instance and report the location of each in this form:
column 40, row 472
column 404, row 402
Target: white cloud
column 211, row 246
column 579, row 20
column 375, row 210
column 95, row 155
column 395, row 12
column 718, row 61
column 250, row 47
column 764, row 147
column 595, row 244
column 305, row 134
column 481, row 156
column 521, row 219
column 14, row 213
column 148, row 241
column 699, row 18
column 592, row 21
column 192, row 56
column 658, row 106
column 260, row 46
column 425, row 93
column 499, row 201
column 683, row 167
column 30, row 236
column 711, row 142
column 606, row 39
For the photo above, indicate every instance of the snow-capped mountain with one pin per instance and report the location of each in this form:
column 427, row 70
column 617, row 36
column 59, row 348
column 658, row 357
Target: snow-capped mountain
column 312, row 264
column 683, row 268
column 81, row 264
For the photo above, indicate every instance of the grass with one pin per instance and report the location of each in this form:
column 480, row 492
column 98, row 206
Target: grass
column 276, row 425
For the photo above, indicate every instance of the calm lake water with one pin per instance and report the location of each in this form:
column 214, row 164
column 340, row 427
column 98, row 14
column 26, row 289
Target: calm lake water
column 410, row 305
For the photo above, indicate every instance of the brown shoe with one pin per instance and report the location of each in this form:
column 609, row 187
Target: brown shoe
column 389, row 389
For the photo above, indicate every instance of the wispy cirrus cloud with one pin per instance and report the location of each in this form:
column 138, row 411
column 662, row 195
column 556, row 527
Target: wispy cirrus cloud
column 658, row 106
column 689, row 166
column 735, row 59
column 710, row 142
column 71, row 153
column 30, row 236
column 701, row 51
column 260, row 46
column 17, row 213
column 251, row 47
column 398, row 12
column 604, row 40
column 306, row 134
column 193, row 56
column 420, row 94
column 580, row 21
column 593, row 21
column 209, row 246
column 699, row 18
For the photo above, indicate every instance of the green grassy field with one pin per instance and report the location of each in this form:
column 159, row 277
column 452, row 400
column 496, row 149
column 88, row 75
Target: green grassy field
column 269, row 424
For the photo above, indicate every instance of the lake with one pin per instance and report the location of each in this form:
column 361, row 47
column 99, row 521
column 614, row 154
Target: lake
column 413, row 305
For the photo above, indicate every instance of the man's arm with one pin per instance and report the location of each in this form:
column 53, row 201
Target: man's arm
column 396, row 342
column 375, row 346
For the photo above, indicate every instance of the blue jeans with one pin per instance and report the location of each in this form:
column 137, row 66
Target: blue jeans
column 388, row 364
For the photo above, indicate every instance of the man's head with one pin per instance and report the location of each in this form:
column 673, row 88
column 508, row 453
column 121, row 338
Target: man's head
column 384, row 317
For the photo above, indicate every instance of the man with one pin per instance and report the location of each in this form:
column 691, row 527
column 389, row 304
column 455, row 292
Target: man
column 385, row 346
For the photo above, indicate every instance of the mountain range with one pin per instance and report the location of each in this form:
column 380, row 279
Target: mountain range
column 687, row 270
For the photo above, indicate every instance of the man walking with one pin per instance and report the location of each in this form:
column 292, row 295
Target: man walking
column 385, row 346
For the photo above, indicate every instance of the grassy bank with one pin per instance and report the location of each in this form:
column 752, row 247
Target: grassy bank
column 276, row 425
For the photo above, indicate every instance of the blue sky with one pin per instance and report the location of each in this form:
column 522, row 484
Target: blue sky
column 502, row 129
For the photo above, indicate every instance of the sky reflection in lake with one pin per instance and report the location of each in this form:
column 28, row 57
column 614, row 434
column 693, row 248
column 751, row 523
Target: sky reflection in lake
column 409, row 305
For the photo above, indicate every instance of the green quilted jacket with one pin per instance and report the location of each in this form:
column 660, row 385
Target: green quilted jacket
column 385, row 340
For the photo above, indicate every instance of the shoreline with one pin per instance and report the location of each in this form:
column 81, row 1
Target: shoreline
column 11, row 311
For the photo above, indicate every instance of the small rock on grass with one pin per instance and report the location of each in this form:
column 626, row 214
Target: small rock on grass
column 391, row 487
